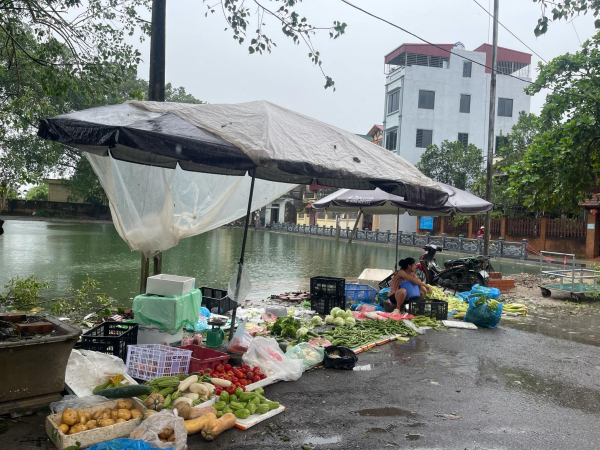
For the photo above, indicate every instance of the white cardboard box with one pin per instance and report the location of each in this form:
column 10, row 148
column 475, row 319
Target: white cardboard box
column 151, row 334
column 373, row 277
column 168, row 285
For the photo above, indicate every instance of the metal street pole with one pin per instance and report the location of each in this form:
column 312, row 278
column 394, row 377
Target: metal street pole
column 156, row 92
column 491, row 136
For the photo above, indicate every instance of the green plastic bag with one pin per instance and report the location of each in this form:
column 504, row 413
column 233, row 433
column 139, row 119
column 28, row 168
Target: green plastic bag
column 170, row 314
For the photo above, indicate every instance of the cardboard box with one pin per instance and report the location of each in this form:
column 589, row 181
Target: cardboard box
column 97, row 435
column 168, row 285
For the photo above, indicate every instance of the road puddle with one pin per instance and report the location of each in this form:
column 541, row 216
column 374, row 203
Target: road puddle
column 412, row 437
column 386, row 412
column 416, row 425
column 317, row 440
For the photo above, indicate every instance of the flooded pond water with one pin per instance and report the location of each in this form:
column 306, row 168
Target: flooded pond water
column 66, row 253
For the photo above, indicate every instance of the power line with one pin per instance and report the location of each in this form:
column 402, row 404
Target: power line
column 576, row 33
column 435, row 45
column 513, row 34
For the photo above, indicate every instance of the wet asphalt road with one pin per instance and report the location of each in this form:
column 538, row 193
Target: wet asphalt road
column 510, row 390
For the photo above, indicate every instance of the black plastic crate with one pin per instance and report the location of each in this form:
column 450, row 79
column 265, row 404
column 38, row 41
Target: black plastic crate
column 111, row 337
column 435, row 309
column 216, row 298
column 328, row 287
column 324, row 305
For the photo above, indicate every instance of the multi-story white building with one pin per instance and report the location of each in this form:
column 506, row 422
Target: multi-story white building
column 432, row 95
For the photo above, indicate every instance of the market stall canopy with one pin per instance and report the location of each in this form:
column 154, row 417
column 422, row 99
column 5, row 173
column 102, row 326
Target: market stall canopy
column 280, row 144
column 379, row 202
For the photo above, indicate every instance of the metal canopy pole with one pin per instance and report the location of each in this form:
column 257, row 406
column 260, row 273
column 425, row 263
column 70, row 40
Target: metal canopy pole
column 490, row 151
column 241, row 263
column 397, row 237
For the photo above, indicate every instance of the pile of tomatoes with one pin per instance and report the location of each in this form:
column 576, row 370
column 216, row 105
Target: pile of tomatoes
column 240, row 377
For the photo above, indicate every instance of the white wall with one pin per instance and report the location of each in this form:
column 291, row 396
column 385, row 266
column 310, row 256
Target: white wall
column 445, row 119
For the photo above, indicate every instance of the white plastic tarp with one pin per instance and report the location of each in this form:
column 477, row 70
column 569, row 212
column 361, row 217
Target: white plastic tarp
column 153, row 208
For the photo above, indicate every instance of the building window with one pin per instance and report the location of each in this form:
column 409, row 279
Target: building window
column 393, row 102
column 320, row 215
column 500, row 141
column 465, row 103
column 391, row 139
column 467, row 65
column 426, row 99
column 463, row 138
column 424, row 138
column 505, row 107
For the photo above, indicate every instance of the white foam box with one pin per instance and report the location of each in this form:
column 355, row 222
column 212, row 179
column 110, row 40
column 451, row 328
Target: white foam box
column 244, row 424
column 373, row 277
column 151, row 334
column 97, row 435
column 168, row 285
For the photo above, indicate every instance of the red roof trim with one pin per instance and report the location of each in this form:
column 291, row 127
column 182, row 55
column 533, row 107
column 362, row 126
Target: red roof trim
column 504, row 54
column 421, row 49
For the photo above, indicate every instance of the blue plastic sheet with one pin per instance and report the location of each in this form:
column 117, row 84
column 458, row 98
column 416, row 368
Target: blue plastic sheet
column 481, row 315
column 124, row 444
column 201, row 325
column 486, row 291
column 382, row 297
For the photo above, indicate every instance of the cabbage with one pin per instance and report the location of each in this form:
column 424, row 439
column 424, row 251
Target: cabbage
column 338, row 322
column 341, row 313
column 334, row 311
column 316, row 321
column 349, row 314
column 350, row 322
column 291, row 311
column 301, row 332
column 328, row 320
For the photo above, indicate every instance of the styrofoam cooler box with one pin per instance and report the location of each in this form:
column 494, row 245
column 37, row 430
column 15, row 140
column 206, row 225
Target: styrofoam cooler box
column 151, row 334
column 168, row 285
column 373, row 277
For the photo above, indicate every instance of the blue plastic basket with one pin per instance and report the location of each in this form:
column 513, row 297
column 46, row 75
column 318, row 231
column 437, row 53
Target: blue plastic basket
column 412, row 290
column 356, row 293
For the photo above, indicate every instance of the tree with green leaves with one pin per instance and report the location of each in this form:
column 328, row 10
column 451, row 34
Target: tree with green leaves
column 565, row 10
column 452, row 163
column 39, row 193
column 561, row 165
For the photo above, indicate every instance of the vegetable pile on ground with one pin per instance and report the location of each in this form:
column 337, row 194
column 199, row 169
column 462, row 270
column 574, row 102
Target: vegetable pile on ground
column 457, row 304
column 339, row 318
column 367, row 331
column 240, row 376
column 436, row 294
column 73, row 422
column 168, row 392
column 515, row 308
column 423, row 321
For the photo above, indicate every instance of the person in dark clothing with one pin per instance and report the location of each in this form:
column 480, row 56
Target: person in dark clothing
column 1, row 229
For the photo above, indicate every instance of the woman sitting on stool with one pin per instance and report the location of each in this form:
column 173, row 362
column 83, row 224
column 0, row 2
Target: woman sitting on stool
column 397, row 295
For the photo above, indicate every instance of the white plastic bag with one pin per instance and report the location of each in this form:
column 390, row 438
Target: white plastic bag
column 308, row 354
column 241, row 339
column 150, row 428
column 74, row 402
column 266, row 354
column 245, row 285
column 87, row 369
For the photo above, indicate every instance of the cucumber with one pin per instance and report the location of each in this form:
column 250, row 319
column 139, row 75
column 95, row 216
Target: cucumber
column 313, row 334
column 126, row 391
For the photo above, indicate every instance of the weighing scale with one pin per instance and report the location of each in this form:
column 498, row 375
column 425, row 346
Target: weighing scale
column 215, row 336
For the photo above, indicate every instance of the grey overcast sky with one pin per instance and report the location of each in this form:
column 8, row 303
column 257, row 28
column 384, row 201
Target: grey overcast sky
column 211, row 65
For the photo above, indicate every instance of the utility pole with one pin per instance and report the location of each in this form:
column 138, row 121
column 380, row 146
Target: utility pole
column 491, row 135
column 156, row 92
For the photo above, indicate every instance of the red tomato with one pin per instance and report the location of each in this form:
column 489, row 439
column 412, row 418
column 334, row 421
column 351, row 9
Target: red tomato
column 255, row 379
column 256, row 369
column 239, row 374
column 220, row 368
column 235, row 380
column 228, row 367
column 231, row 389
column 245, row 366
column 244, row 382
column 230, row 373
column 250, row 375
column 263, row 376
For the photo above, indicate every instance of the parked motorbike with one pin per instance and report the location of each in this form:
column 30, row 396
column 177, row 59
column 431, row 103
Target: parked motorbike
column 458, row 274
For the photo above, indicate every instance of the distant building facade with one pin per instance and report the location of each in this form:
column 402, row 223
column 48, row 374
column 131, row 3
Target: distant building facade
column 58, row 191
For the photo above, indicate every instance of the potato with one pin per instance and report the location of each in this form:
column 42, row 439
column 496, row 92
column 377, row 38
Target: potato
column 123, row 404
column 124, row 414
column 105, row 422
column 64, row 428
column 77, row 428
column 163, row 440
column 69, row 417
column 91, row 424
column 135, row 414
column 88, row 415
column 104, row 415
column 166, row 432
column 96, row 415
column 120, row 420
column 82, row 418
column 171, row 438
column 114, row 415
column 107, row 410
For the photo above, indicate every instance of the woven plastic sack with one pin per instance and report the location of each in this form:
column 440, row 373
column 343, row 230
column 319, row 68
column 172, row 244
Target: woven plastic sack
column 150, row 428
column 124, row 444
column 266, row 354
column 481, row 315
column 382, row 296
column 309, row 354
column 488, row 292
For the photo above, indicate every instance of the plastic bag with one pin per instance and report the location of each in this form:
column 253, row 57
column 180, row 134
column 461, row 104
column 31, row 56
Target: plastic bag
column 241, row 339
column 244, row 288
column 396, row 316
column 258, row 330
column 482, row 315
column 87, row 369
column 150, row 428
column 123, row 444
column 74, row 402
column 319, row 342
column 310, row 355
column 363, row 306
column 464, row 295
column 383, row 296
column 339, row 358
column 489, row 292
column 269, row 317
column 266, row 354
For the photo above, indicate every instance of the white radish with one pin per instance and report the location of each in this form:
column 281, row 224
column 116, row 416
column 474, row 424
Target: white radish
column 191, row 395
column 211, row 387
column 185, row 384
column 189, row 401
column 199, row 388
column 220, row 382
